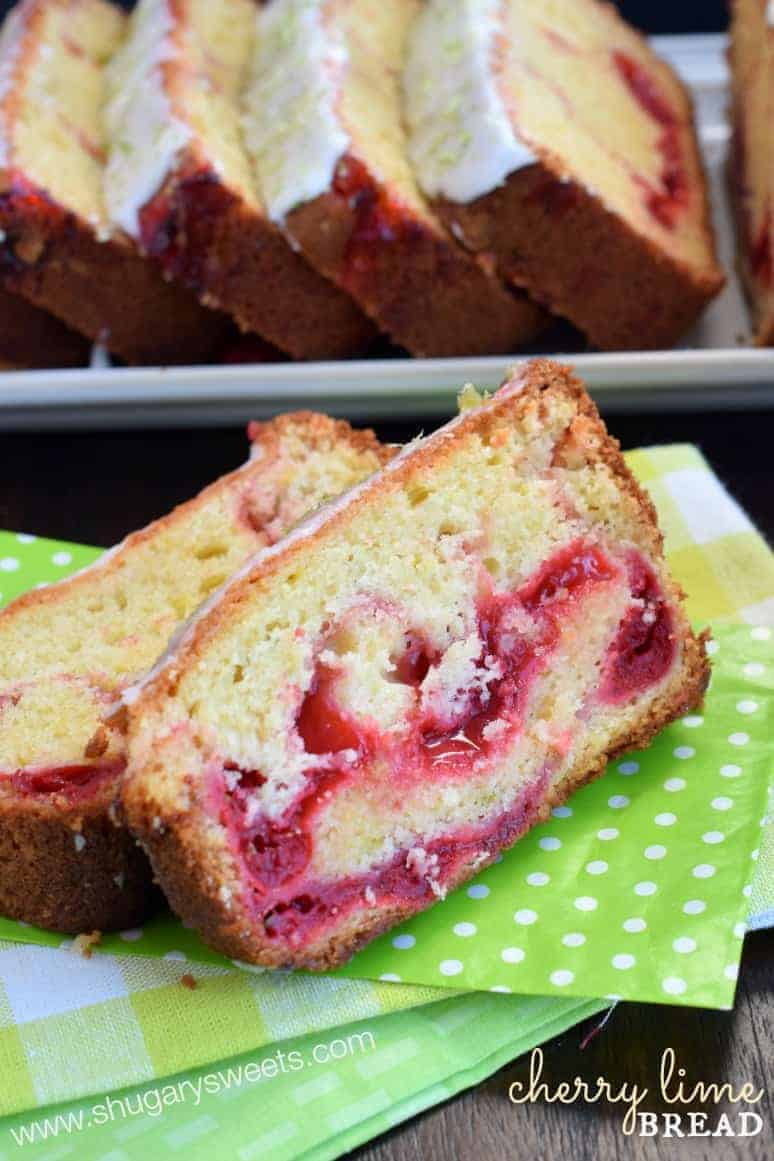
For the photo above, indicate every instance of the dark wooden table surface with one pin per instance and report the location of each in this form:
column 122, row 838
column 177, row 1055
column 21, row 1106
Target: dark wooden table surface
column 96, row 487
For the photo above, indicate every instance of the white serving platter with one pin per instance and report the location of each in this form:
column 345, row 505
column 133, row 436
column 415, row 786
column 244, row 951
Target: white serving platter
column 715, row 367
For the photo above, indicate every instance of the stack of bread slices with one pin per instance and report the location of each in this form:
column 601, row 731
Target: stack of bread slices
column 450, row 174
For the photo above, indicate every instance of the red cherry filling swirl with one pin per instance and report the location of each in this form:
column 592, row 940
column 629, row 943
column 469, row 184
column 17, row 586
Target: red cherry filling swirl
column 277, row 853
column 667, row 203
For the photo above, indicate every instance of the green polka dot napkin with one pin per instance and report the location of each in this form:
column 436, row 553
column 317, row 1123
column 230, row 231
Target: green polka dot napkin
column 639, row 888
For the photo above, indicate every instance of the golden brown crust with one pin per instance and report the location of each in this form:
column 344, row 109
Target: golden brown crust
column 104, row 289
column 47, row 875
column 68, row 867
column 420, row 286
column 200, row 877
column 230, row 254
column 551, row 236
column 320, row 430
column 30, row 337
column 582, row 261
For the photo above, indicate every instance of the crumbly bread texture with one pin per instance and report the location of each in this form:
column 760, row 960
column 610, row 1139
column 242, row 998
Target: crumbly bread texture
column 324, row 128
column 59, row 249
column 179, row 180
column 374, row 708
column 603, row 213
column 30, row 337
column 67, row 650
column 751, row 56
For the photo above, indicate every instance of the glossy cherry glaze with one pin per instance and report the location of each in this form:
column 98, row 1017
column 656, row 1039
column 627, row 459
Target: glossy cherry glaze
column 75, row 782
column 23, row 203
column 178, row 226
column 378, row 221
column 644, row 648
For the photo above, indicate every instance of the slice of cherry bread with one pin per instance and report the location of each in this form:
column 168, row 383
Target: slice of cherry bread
column 179, row 180
column 379, row 704
column 323, row 124
column 751, row 55
column 549, row 136
column 67, row 650
column 59, row 248
column 30, row 337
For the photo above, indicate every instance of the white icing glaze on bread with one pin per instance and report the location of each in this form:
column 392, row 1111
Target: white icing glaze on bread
column 470, row 146
column 298, row 59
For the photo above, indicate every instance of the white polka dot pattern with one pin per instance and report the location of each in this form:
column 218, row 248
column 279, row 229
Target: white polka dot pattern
column 561, row 978
column 465, row 930
column 549, row 843
column 574, row 939
column 450, row 967
column 694, row 907
column 634, row 925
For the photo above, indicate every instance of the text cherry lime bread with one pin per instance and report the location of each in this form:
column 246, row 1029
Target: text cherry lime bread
column 382, row 702
column 67, row 650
